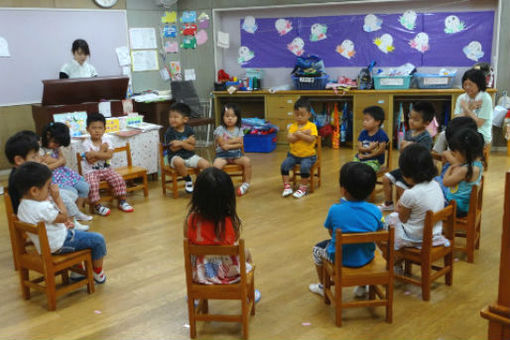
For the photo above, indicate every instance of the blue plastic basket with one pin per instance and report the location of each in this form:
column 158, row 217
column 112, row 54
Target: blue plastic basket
column 260, row 143
column 310, row 83
column 434, row 81
column 392, row 82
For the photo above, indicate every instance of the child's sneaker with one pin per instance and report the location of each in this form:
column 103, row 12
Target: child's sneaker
column 360, row 291
column 316, row 288
column 242, row 189
column 125, row 207
column 74, row 276
column 83, row 217
column 102, row 210
column 300, row 192
column 257, row 295
column 100, row 278
column 287, row 190
column 79, row 226
column 386, row 206
column 188, row 187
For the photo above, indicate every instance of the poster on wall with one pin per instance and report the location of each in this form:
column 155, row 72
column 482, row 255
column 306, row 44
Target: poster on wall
column 423, row 39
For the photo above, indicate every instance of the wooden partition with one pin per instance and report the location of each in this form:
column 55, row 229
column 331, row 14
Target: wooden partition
column 498, row 313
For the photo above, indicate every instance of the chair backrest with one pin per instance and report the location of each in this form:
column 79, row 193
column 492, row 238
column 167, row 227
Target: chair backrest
column 9, row 211
column 386, row 236
column 389, row 148
column 161, row 157
column 448, row 217
column 479, row 200
column 21, row 229
column 126, row 148
column 201, row 250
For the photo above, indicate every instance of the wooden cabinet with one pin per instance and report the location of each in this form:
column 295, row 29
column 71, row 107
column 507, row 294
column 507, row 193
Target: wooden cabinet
column 279, row 107
column 280, row 112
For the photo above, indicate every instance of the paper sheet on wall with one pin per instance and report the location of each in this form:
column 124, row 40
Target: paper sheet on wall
column 175, row 70
column 145, row 60
column 189, row 74
column 164, row 74
column 123, row 55
column 4, row 48
column 105, row 108
column 223, row 39
column 142, row 38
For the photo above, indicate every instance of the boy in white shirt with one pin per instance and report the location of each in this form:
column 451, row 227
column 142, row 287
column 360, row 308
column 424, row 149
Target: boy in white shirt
column 33, row 182
column 95, row 165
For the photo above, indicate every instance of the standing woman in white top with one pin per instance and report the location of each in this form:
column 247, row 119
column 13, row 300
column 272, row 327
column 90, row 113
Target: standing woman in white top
column 476, row 103
column 78, row 67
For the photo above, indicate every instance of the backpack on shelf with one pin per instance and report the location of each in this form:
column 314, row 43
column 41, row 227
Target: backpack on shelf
column 365, row 81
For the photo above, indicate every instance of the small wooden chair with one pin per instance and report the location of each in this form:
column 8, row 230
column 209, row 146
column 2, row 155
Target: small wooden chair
column 10, row 223
column 378, row 272
column 167, row 170
column 235, row 170
column 243, row 290
column 382, row 171
column 315, row 170
column 469, row 226
column 128, row 173
column 48, row 265
column 427, row 255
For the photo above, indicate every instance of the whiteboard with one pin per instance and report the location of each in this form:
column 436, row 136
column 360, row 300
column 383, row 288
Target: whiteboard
column 40, row 43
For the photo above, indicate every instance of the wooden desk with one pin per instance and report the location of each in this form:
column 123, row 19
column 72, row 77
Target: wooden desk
column 278, row 107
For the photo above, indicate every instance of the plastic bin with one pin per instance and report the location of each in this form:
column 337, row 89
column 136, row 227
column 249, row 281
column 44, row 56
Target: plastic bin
column 310, row 83
column 260, row 143
column 433, row 81
column 392, row 82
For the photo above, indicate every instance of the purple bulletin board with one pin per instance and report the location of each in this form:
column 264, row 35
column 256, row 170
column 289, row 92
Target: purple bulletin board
column 423, row 39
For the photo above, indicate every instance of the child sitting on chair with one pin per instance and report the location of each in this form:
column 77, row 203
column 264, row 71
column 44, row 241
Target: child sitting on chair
column 55, row 136
column 425, row 194
column 24, row 147
column 302, row 137
column 212, row 220
column 180, row 141
column 352, row 215
column 96, row 165
column 229, row 140
column 372, row 140
column 420, row 116
column 33, row 181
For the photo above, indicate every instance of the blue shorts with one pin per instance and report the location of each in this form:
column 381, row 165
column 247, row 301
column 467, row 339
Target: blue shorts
column 229, row 154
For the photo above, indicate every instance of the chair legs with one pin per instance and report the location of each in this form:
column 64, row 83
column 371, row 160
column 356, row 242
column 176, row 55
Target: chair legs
column 50, row 291
column 175, row 191
column 192, row 321
column 24, row 276
column 338, row 307
column 163, row 182
column 425, row 281
column 145, row 185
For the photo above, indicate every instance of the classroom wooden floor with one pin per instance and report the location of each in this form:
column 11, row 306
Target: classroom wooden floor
column 144, row 296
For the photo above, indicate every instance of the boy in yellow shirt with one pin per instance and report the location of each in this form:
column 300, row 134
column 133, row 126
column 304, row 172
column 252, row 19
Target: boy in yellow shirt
column 302, row 137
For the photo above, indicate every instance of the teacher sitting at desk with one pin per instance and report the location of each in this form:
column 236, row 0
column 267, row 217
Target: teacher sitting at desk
column 476, row 103
column 78, row 67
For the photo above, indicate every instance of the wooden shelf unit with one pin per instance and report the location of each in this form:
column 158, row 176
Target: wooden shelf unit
column 278, row 107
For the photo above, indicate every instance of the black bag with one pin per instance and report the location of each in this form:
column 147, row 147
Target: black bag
column 365, row 81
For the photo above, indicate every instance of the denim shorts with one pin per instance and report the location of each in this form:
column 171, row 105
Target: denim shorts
column 229, row 154
column 305, row 162
column 78, row 240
